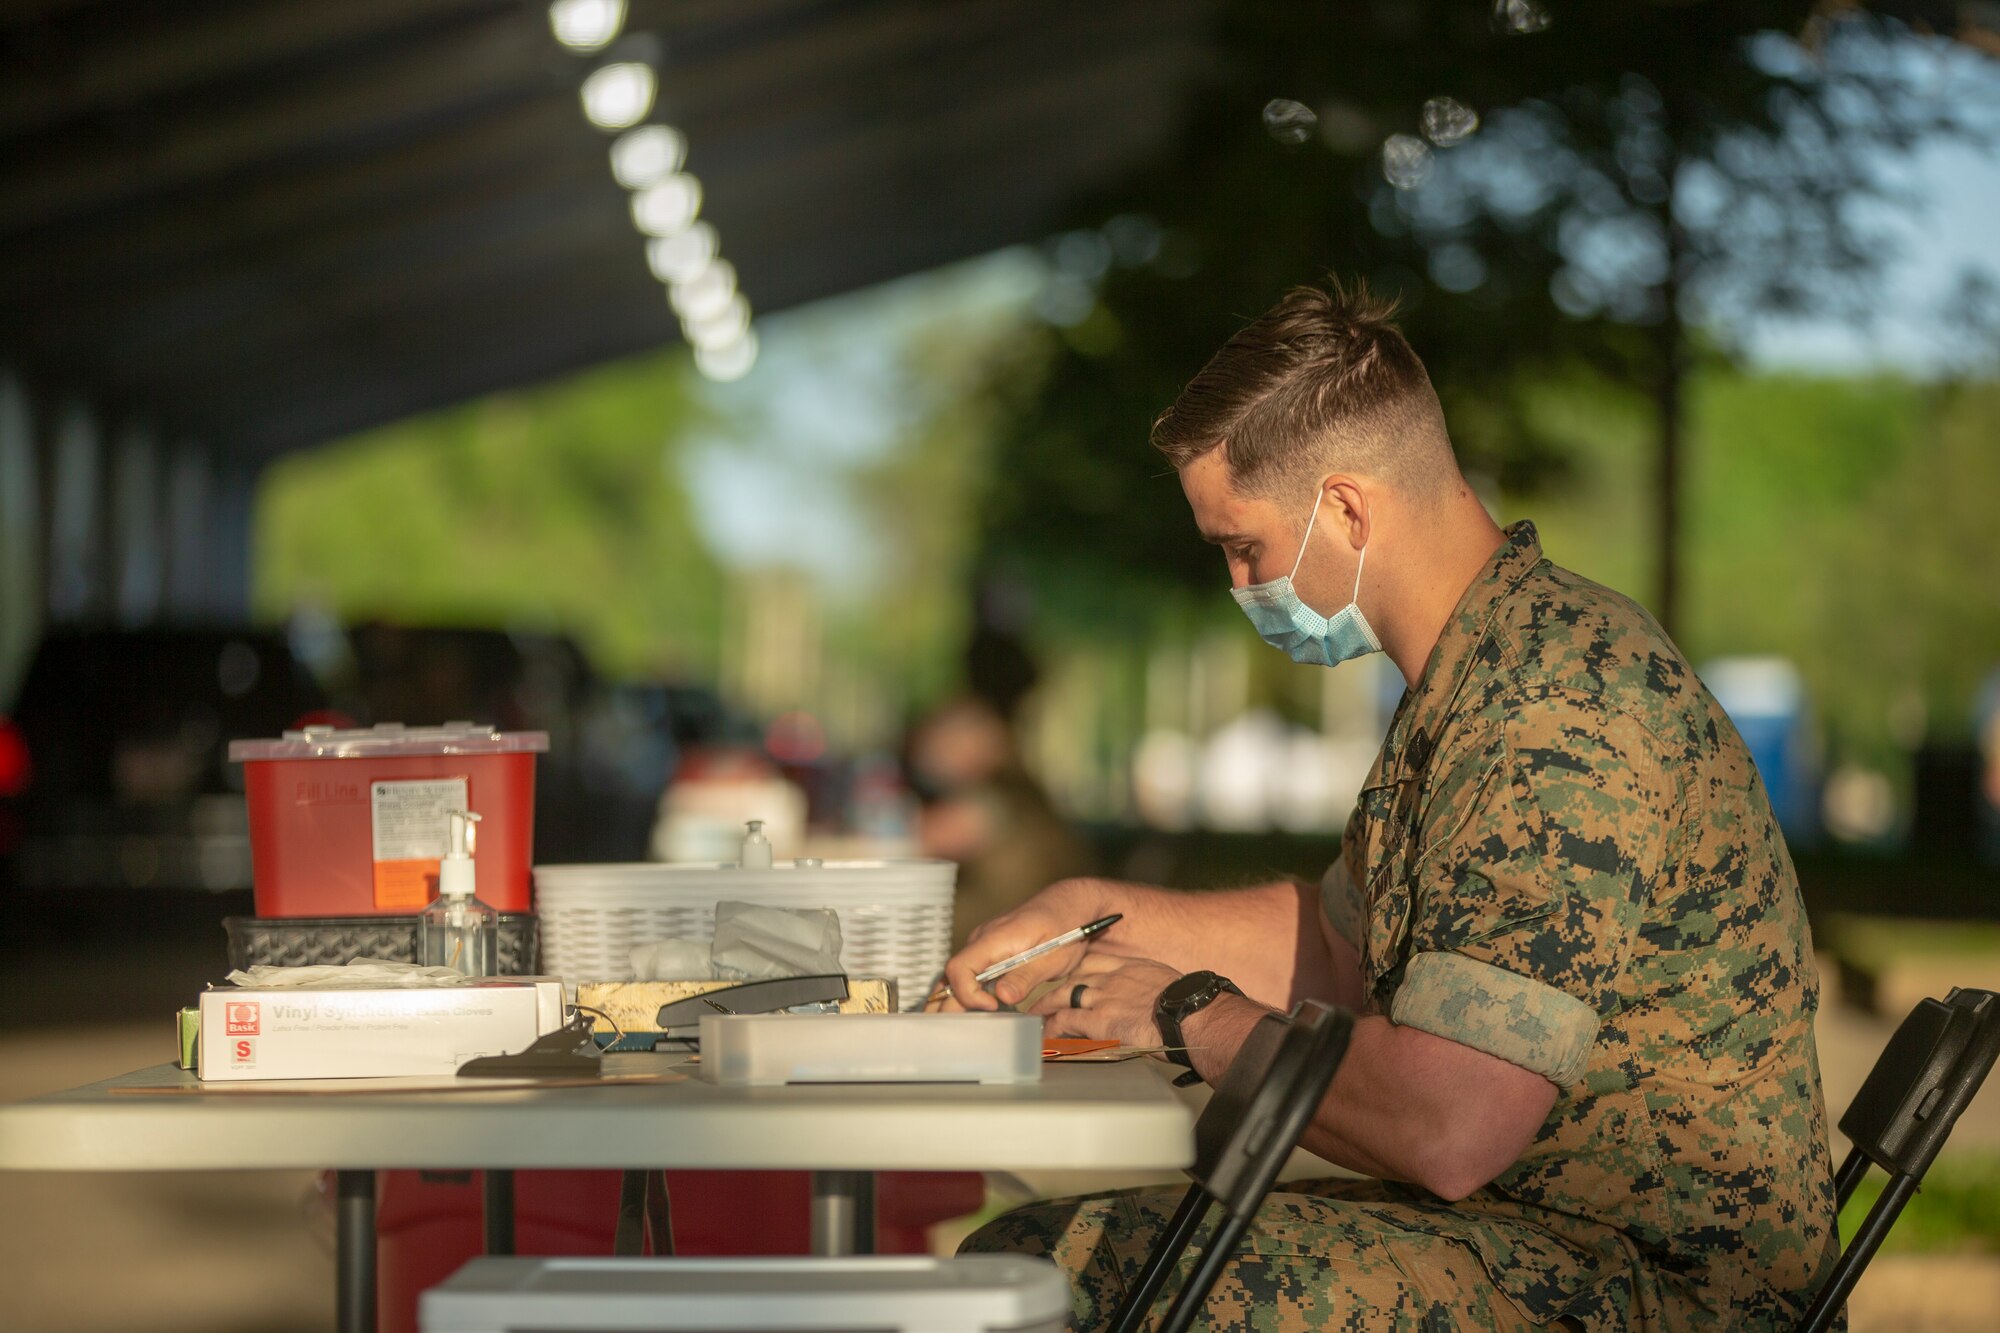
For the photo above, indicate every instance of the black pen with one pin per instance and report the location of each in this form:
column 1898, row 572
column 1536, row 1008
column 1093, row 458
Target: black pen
column 1068, row 937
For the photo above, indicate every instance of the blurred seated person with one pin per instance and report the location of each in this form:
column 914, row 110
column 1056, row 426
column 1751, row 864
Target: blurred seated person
column 715, row 792
column 983, row 809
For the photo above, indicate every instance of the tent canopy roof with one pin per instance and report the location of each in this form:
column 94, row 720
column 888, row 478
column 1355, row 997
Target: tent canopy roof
column 269, row 225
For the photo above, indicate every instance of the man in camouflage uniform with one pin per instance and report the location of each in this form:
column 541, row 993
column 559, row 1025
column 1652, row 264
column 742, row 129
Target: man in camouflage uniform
column 1584, row 1078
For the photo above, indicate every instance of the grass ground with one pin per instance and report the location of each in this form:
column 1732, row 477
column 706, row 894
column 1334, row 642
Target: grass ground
column 1956, row 1212
column 1885, row 940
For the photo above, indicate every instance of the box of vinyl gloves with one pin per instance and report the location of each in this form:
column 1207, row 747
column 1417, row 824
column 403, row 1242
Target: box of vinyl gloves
column 374, row 1032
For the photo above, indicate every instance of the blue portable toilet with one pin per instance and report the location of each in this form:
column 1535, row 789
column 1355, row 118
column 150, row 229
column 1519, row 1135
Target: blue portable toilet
column 1986, row 716
column 1766, row 698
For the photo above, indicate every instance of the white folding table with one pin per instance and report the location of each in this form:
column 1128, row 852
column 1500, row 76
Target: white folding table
column 1098, row 1117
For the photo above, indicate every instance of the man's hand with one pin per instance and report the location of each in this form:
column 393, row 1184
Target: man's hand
column 1117, row 1001
column 1270, row 939
column 1063, row 906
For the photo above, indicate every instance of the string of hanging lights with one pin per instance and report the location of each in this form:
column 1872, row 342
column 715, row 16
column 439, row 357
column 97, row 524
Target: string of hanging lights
column 649, row 159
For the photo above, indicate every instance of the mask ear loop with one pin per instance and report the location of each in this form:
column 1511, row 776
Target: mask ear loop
column 1309, row 533
column 1353, row 597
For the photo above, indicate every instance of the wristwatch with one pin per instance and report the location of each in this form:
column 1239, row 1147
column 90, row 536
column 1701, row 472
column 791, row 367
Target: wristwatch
column 1184, row 996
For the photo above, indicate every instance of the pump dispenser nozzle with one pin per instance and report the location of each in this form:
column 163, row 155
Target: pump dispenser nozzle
column 455, row 875
column 457, row 930
column 756, row 847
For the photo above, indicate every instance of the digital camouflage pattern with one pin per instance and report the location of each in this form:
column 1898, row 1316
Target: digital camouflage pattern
column 1563, row 857
column 1567, row 860
column 1309, row 1264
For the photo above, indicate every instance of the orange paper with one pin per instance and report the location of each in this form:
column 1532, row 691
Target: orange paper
column 405, row 884
column 1057, row 1048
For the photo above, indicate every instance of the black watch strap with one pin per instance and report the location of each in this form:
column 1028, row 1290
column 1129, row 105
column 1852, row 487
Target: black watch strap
column 1184, row 997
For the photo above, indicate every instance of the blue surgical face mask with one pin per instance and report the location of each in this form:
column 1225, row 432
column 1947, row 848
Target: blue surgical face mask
column 1288, row 624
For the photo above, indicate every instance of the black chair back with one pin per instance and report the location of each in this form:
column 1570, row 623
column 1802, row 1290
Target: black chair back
column 1905, row 1111
column 1242, row 1139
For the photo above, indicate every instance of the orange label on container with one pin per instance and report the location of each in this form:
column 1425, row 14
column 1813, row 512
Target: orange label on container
column 412, row 831
column 405, row 885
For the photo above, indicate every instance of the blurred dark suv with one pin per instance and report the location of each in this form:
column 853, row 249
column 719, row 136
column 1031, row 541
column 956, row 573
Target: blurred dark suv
column 114, row 769
column 591, row 804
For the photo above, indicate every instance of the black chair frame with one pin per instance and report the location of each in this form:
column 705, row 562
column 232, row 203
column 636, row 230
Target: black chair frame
column 1925, row 1077
column 1242, row 1140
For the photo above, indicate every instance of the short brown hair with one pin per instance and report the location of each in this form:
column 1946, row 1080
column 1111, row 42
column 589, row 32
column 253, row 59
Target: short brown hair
column 1322, row 381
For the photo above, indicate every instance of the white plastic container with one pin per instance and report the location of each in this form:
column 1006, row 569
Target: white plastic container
column 772, row 1049
column 986, row 1293
column 895, row 916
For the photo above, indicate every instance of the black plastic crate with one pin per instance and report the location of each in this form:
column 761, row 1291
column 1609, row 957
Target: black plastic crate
column 307, row 941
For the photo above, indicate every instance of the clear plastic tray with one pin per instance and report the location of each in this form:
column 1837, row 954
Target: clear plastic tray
column 758, row 1049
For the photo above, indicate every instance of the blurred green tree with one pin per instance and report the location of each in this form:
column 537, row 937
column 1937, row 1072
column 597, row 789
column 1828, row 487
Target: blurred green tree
column 558, row 507
column 921, row 499
column 1843, row 524
column 1544, row 184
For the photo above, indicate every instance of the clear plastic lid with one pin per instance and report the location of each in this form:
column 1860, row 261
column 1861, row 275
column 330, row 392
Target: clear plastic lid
column 388, row 739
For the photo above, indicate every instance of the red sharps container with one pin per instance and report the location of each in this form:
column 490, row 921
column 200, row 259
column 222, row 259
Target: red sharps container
column 354, row 823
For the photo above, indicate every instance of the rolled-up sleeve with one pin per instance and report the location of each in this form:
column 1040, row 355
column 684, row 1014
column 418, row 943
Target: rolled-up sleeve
column 1539, row 849
column 1340, row 901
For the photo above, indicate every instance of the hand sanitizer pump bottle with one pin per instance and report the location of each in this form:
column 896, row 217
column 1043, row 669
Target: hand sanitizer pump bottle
column 457, row 930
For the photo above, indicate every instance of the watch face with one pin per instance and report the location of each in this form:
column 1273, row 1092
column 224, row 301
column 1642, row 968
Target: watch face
column 1182, row 989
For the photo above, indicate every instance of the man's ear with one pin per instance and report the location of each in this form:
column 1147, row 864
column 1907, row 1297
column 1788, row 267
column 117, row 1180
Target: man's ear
column 1345, row 504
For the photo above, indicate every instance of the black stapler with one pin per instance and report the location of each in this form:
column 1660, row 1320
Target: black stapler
column 750, row 997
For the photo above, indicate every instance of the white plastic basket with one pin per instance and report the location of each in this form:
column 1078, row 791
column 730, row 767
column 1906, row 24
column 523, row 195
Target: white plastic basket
column 895, row 916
